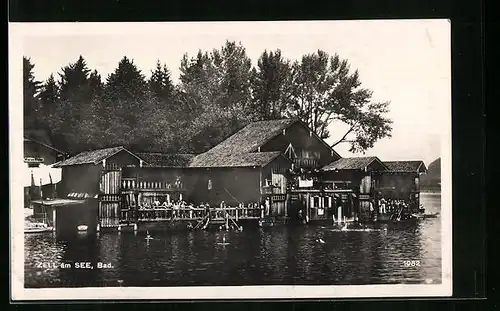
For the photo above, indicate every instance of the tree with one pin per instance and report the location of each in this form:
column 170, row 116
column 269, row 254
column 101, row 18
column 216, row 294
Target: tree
column 127, row 106
column 161, row 84
column 49, row 98
column 325, row 91
column 215, row 94
column 73, row 118
column 272, row 86
column 31, row 103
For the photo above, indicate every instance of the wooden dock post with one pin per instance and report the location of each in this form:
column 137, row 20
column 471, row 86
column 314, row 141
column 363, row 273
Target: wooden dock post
column 98, row 227
column 135, row 227
column 119, row 228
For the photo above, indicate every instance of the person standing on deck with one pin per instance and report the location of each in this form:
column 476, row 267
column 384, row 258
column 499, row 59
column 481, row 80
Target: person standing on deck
column 382, row 206
column 268, row 207
column 372, row 210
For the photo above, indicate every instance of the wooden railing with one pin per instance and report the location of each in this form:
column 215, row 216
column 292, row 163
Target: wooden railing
column 134, row 184
column 306, row 162
column 189, row 213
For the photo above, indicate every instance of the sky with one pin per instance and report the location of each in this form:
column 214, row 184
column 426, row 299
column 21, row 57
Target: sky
column 406, row 62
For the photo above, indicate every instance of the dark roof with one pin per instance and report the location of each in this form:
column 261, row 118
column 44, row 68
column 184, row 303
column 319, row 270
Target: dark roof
column 406, row 166
column 251, row 137
column 240, row 148
column 258, row 159
column 40, row 137
column 166, row 159
column 92, row 157
column 354, row 163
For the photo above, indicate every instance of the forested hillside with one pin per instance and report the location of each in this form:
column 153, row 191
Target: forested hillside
column 432, row 180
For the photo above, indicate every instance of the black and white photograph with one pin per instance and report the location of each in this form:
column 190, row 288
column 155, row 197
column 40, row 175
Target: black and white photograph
column 230, row 160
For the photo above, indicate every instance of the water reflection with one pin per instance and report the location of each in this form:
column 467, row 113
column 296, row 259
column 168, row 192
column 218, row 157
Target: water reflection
column 277, row 255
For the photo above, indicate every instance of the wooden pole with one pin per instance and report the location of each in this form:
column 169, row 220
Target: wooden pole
column 41, row 191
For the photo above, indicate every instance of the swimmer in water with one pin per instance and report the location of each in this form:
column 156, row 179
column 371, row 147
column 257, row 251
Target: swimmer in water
column 320, row 240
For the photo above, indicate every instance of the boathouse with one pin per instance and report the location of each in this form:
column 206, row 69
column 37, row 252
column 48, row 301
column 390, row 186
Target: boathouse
column 359, row 176
column 254, row 164
column 94, row 178
column 162, row 178
column 401, row 181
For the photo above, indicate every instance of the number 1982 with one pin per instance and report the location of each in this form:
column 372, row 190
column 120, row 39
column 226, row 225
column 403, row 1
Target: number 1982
column 411, row 263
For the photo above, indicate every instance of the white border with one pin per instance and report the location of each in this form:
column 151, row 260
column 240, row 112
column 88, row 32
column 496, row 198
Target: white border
column 19, row 31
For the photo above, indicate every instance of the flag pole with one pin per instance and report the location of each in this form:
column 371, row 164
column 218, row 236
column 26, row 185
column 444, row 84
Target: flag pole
column 41, row 191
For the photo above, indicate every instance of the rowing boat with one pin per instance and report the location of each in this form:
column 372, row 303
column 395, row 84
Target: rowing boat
column 37, row 228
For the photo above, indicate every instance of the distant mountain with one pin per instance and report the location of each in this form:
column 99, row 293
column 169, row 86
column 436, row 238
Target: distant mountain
column 432, row 180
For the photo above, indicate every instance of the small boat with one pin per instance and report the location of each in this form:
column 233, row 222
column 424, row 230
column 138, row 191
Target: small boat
column 82, row 228
column 37, row 228
column 425, row 216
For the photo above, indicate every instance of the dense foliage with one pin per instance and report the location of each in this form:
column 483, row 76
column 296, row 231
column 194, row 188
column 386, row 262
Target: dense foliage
column 218, row 93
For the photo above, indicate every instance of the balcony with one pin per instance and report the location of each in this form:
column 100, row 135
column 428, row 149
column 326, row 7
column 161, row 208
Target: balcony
column 306, row 162
column 129, row 184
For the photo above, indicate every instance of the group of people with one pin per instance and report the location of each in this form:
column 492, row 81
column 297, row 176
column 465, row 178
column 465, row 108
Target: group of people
column 165, row 209
column 181, row 209
column 394, row 208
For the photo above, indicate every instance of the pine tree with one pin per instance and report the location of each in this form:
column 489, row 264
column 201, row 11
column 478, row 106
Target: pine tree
column 161, row 84
column 129, row 105
column 31, row 103
column 69, row 120
column 49, row 98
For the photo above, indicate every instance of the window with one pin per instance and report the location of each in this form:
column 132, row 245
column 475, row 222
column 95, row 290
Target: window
column 309, row 154
column 316, row 202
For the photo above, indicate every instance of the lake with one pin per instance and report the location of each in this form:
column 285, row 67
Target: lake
column 260, row 256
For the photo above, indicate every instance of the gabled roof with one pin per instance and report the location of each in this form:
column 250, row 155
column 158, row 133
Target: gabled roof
column 40, row 137
column 254, row 159
column 251, row 137
column 246, row 141
column 166, row 159
column 93, row 156
column 354, row 163
column 406, row 166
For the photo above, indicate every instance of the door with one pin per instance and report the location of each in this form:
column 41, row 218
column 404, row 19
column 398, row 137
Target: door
column 110, row 199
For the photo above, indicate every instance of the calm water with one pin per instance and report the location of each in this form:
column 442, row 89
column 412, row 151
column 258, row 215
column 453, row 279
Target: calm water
column 274, row 256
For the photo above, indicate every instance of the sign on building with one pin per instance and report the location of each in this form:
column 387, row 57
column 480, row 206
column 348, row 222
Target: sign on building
column 33, row 160
column 303, row 183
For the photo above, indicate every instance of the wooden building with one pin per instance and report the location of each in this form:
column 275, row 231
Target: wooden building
column 162, row 178
column 359, row 176
column 38, row 150
column 401, row 181
column 254, row 164
column 96, row 177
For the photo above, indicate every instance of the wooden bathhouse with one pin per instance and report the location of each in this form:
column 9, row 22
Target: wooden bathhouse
column 358, row 176
column 401, row 181
column 94, row 179
column 161, row 178
column 254, row 165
